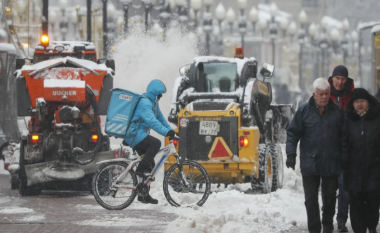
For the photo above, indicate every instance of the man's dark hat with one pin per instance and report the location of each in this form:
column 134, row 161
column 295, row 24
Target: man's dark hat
column 360, row 93
column 340, row 71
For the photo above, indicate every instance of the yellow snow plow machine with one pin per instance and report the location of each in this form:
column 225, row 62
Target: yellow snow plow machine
column 226, row 121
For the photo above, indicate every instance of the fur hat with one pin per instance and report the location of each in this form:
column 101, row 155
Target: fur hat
column 340, row 71
column 360, row 93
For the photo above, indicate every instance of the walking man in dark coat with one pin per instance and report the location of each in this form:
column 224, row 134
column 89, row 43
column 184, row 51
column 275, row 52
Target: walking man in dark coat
column 318, row 126
column 361, row 160
column 341, row 87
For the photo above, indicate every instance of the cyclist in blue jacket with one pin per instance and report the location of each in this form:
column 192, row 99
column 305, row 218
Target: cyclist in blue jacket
column 148, row 116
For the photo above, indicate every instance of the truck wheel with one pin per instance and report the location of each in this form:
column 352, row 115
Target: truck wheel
column 14, row 181
column 278, row 166
column 24, row 189
column 263, row 184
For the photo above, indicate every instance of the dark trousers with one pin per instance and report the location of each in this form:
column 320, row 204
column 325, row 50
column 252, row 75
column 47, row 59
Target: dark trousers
column 329, row 186
column 343, row 201
column 364, row 211
column 149, row 148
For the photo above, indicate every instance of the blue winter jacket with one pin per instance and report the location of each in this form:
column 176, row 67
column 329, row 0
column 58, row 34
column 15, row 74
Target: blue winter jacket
column 148, row 116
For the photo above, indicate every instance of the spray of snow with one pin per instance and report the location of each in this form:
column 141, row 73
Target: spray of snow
column 142, row 58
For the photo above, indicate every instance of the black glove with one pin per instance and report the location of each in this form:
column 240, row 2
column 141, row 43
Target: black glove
column 291, row 161
column 344, row 165
column 171, row 134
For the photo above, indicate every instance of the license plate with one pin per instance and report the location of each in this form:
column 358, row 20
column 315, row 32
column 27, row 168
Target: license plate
column 208, row 128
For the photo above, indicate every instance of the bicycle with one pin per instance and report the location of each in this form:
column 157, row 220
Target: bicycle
column 115, row 183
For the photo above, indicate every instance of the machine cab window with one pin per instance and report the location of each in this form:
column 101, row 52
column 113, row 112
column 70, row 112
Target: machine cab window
column 216, row 77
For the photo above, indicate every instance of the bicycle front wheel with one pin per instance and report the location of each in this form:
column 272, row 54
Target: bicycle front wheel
column 109, row 196
column 197, row 187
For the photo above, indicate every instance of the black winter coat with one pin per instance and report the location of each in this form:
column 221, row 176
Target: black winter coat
column 320, row 138
column 361, row 148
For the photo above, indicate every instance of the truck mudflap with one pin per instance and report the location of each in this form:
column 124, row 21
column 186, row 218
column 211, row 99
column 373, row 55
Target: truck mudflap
column 35, row 174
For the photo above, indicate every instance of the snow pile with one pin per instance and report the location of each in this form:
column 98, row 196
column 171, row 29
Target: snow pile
column 231, row 210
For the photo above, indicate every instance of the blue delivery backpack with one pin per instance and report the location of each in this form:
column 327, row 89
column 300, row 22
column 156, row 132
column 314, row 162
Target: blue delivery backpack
column 120, row 111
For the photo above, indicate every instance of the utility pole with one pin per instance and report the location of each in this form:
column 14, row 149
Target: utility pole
column 45, row 23
column 89, row 20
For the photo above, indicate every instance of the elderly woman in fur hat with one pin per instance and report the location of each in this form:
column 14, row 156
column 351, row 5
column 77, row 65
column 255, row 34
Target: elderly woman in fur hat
column 361, row 159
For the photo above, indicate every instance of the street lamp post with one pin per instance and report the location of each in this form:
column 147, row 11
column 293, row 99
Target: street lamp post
column 182, row 18
column 105, row 29
column 313, row 31
column 164, row 18
column 207, row 23
column 230, row 18
column 63, row 24
column 74, row 20
column 345, row 40
column 273, row 30
column 195, row 5
column 242, row 4
column 253, row 16
column 147, row 6
column 52, row 20
column 302, row 18
column 220, row 14
column 89, row 20
column 125, row 11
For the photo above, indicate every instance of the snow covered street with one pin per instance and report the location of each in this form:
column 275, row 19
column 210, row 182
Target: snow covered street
column 226, row 210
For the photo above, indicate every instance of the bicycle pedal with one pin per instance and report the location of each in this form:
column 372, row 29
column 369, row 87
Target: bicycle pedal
column 113, row 193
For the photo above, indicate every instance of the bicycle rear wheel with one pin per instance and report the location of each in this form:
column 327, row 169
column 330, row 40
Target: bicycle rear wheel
column 198, row 185
column 113, row 198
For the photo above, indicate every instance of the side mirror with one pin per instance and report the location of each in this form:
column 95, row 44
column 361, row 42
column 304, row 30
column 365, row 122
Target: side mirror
column 110, row 63
column 19, row 63
column 184, row 70
column 267, row 70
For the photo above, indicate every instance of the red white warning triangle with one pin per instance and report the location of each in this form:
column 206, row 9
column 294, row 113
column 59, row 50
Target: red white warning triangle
column 220, row 150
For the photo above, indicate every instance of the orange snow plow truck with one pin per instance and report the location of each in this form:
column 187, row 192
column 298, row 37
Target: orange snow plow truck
column 62, row 92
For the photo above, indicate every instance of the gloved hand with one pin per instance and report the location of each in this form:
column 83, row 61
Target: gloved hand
column 291, row 161
column 344, row 164
column 171, row 134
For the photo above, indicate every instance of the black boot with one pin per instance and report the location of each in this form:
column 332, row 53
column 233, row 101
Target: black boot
column 147, row 199
column 342, row 224
column 373, row 231
column 328, row 228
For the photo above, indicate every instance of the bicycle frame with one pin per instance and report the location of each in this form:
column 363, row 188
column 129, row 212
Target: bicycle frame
column 166, row 151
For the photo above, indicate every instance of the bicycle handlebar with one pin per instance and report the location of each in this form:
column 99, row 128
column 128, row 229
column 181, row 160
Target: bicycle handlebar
column 175, row 137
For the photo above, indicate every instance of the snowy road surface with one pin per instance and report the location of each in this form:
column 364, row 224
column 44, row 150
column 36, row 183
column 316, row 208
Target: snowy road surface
column 226, row 210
